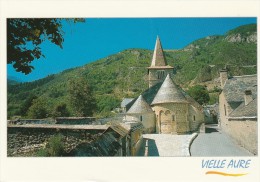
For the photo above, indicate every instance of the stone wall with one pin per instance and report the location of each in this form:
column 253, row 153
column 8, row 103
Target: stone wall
column 75, row 120
column 23, row 139
column 30, row 121
column 156, row 77
column 135, row 131
column 244, row 132
column 195, row 118
column 172, row 118
column 148, row 121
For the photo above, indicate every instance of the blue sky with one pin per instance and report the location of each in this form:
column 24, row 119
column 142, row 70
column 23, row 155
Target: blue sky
column 101, row 37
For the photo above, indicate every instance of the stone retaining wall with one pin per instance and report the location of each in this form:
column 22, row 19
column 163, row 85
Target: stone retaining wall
column 24, row 139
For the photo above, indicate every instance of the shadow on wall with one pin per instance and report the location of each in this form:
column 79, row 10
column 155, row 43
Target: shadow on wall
column 209, row 129
column 148, row 148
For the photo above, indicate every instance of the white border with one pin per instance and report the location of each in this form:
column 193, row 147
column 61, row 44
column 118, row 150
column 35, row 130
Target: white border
column 112, row 169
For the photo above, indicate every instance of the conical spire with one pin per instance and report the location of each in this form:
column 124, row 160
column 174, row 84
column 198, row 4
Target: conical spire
column 140, row 106
column 158, row 55
column 169, row 93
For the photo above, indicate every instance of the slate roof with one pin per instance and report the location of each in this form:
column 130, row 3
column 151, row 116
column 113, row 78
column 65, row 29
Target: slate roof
column 140, row 106
column 249, row 110
column 234, row 88
column 126, row 101
column 150, row 94
column 158, row 59
column 118, row 129
column 169, row 93
column 105, row 145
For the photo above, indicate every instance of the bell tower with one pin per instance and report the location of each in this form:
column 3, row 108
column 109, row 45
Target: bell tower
column 159, row 68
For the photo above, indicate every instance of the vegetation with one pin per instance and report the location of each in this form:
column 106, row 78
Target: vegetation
column 199, row 93
column 54, row 147
column 81, row 98
column 125, row 75
column 25, row 35
column 38, row 109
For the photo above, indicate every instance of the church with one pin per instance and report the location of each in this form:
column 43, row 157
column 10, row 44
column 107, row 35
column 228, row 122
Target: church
column 164, row 108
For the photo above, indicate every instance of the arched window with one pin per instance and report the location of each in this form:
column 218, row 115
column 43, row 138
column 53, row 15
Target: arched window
column 194, row 119
column 167, row 112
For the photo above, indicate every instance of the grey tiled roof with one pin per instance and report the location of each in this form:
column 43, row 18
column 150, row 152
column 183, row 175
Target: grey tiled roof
column 169, row 93
column 140, row 106
column 249, row 110
column 235, row 87
column 158, row 55
column 150, row 94
column 118, row 129
column 126, row 101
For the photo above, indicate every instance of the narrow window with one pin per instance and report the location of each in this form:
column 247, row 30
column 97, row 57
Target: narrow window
column 225, row 110
column 141, row 118
column 194, row 118
column 162, row 74
column 173, row 117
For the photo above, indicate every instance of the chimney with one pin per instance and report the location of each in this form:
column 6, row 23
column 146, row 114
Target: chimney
column 248, row 97
column 223, row 77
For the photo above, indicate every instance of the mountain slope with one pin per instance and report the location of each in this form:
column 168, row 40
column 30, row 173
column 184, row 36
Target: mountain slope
column 125, row 74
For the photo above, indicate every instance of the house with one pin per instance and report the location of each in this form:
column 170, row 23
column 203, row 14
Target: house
column 238, row 109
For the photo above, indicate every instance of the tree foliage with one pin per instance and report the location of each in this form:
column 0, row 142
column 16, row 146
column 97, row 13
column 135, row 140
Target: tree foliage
column 24, row 37
column 61, row 111
column 38, row 110
column 199, row 93
column 27, row 104
column 81, row 98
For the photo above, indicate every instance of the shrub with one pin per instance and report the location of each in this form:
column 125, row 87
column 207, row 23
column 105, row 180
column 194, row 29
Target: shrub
column 54, row 147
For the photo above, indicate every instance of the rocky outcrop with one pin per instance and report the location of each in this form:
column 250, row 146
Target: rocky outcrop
column 252, row 38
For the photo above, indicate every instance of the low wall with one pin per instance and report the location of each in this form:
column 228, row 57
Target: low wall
column 75, row 120
column 23, row 139
column 30, row 121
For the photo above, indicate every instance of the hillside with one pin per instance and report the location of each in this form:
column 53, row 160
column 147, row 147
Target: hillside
column 124, row 74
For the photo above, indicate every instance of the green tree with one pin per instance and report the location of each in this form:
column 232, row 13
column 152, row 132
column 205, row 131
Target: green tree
column 38, row 110
column 81, row 97
column 61, row 110
column 199, row 93
column 27, row 104
column 25, row 35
